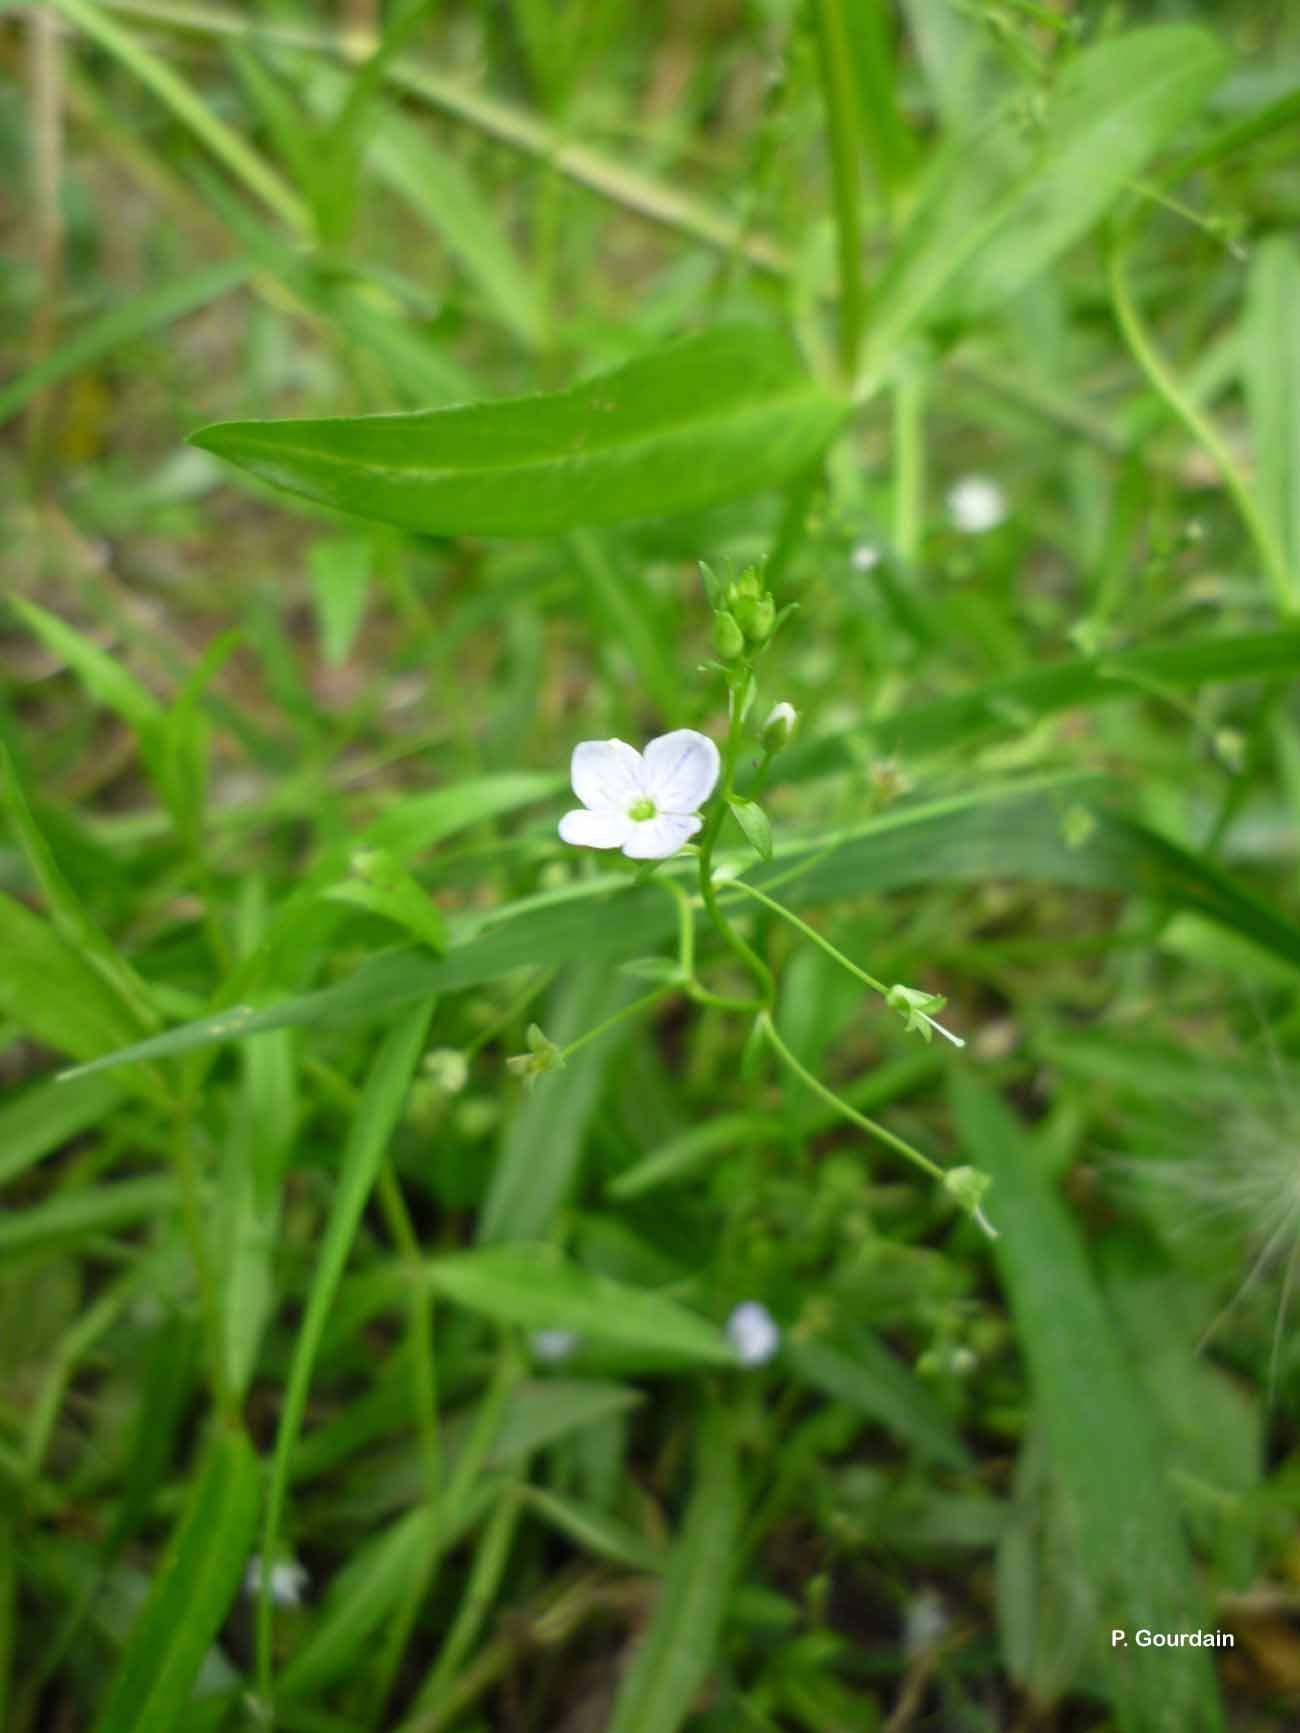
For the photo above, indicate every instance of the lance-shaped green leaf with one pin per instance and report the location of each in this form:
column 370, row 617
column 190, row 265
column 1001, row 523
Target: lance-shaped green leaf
column 1027, row 832
column 727, row 413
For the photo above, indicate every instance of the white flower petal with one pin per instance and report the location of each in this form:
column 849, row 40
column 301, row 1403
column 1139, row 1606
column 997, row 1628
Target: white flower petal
column 607, row 775
column 553, row 1344
column 681, row 769
column 595, row 829
column 657, row 838
column 754, row 1333
column 977, row 504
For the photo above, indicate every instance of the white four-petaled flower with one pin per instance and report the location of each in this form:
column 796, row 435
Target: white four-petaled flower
column 642, row 802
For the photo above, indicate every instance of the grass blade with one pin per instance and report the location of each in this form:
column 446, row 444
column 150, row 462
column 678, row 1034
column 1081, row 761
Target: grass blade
column 1272, row 378
column 373, row 1124
column 537, row 1286
column 1101, row 1436
column 191, row 1595
column 682, row 1641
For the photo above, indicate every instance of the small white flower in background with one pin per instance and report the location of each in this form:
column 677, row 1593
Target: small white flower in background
column 288, row 1580
column 448, row 1067
column 976, row 504
column 865, row 557
column 644, row 803
column 553, row 1344
column 924, row 1622
column 754, row 1333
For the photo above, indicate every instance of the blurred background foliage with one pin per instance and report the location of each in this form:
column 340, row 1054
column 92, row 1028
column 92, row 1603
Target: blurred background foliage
column 1049, row 765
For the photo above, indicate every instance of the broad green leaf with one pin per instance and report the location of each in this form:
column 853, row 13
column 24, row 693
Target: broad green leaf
column 538, row 1287
column 1004, row 209
column 711, row 418
column 191, row 1594
column 681, row 1644
column 1101, row 1435
column 1272, row 377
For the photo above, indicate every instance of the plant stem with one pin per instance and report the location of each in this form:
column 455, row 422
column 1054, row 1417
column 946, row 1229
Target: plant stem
column 426, row 1405
column 750, row 958
column 209, row 1294
column 1203, row 430
column 913, row 1155
column 835, row 60
column 809, row 933
column 909, row 459
column 641, row 1004
column 468, row 1467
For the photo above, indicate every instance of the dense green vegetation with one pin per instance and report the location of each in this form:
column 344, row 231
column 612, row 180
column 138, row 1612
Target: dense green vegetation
column 833, row 1276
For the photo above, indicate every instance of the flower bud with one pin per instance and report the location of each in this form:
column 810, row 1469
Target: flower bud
column 542, row 1056
column 756, row 615
column 749, row 585
column 728, row 639
column 778, row 730
column 968, row 1185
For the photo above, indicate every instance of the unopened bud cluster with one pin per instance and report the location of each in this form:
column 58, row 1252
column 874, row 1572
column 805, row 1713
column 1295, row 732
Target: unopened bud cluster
column 746, row 618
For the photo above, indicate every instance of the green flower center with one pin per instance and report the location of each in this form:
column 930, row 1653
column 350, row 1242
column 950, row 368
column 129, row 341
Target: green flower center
column 644, row 809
